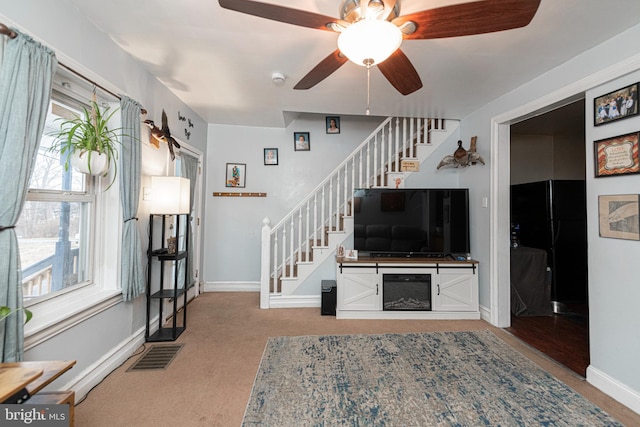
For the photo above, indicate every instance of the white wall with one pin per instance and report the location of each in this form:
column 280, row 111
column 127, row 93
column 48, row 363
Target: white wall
column 233, row 224
column 100, row 342
column 614, row 284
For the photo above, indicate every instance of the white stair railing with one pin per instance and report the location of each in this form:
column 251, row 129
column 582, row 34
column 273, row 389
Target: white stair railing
column 292, row 240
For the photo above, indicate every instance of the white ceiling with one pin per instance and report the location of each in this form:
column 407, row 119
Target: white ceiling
column 220, row 62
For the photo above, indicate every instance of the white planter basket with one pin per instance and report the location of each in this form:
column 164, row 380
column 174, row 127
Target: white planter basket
column 92, row 163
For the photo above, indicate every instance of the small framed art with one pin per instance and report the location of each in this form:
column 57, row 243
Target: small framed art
column 236, row 175
column 617, row 155
column 616, row 105
column 271, row 156
column 333, row 124
column 351, row 254
column 618, row 216
column 301, row 141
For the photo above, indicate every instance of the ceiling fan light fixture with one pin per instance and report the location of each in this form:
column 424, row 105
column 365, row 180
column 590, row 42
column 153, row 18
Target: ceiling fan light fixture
column 369, row 41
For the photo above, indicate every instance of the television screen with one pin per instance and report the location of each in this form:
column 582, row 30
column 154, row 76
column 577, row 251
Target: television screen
column 411, row 222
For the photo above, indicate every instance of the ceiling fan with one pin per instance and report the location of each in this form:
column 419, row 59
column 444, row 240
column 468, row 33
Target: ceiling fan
column 379, row 22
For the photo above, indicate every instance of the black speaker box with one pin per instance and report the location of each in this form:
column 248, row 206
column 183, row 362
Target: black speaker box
column 329, row 296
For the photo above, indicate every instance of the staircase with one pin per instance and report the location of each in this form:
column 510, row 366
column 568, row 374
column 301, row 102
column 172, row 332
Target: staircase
column 296, row 246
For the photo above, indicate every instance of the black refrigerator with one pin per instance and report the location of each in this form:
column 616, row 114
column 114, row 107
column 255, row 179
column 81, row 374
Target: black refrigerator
column 551, row 215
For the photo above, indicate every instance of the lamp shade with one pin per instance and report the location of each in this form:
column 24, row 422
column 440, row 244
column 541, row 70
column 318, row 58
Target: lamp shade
column 170, row 195
column 369, row 41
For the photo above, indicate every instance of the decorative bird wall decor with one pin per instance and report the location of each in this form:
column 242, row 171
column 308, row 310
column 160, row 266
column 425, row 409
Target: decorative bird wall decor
column 163, row 134
column 156, row 134
column 462, row 157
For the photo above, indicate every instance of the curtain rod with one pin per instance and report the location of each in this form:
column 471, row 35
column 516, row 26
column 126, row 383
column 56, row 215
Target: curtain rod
column 12, row 35
column 142, row 110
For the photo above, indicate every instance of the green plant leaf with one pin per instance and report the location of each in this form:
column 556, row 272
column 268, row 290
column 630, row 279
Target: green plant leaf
column 6, row 312
column 89, row 132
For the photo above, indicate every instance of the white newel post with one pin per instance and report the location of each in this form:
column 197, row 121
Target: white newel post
column 264, row 263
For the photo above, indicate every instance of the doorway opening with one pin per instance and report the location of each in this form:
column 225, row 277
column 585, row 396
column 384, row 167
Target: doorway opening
column 549, row 304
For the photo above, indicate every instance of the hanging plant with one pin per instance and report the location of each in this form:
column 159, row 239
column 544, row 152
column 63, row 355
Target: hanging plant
column 6, row 312
column 88, row 143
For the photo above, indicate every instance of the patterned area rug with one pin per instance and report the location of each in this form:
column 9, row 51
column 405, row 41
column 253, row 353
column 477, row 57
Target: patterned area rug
column 418, row 379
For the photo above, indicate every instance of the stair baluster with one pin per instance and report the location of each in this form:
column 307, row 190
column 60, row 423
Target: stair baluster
column 284, row 251
column 315, row 220
column 322, row 222
column 345, row 200
column 308, row 243
column 274, row 274
column 291, row 251
column 337, row 213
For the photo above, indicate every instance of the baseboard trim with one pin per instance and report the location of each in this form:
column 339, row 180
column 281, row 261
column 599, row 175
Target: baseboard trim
column 485, row 314
column 295, row 301
column 93, row 375
column 231, row 287
column 614, row 388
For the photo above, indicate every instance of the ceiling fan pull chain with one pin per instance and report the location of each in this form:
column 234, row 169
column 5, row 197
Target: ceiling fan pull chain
column 367, row 111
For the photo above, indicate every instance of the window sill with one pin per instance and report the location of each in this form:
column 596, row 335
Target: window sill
column 54, row 316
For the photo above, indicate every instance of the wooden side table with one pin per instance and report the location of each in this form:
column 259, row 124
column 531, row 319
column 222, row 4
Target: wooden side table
column 22, row 382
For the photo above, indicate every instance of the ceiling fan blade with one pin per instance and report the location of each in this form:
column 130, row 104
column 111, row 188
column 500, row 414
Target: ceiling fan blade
column 274, row 12
column 401, row 73
column 470, row 18
column 321, row 71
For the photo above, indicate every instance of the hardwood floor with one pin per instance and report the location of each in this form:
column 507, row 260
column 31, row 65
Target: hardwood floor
column 562, row 337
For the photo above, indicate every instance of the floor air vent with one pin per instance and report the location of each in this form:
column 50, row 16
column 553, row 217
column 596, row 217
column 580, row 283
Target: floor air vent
column 156, row 357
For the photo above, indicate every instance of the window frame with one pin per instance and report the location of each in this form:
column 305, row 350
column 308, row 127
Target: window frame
column 67, row 196
column 55, row 313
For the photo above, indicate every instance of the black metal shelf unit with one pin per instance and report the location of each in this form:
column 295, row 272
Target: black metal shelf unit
column 157, row 289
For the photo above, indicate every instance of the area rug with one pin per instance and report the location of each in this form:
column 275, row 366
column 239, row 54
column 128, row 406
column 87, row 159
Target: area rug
column 416, row 379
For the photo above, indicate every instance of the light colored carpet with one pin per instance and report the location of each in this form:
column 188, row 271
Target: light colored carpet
column 210, row 381
column 435, row 379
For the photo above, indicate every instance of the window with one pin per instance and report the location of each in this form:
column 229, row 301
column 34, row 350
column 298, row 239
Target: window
column 56, row 220
column 69, row 229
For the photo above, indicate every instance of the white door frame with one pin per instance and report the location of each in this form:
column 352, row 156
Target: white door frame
column 499, row 268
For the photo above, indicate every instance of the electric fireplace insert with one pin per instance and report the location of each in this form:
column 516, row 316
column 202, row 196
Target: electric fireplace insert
column 406, row 292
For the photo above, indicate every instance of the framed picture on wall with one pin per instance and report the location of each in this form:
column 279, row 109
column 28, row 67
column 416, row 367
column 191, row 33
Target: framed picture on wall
column 271, row 156
column 618, row 216
column 616, row 105
column 236, row 175
column 617, row 155
column 333, row 124
column 301, row 141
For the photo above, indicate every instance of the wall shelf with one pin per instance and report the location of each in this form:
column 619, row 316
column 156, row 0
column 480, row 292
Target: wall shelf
column 238, row 194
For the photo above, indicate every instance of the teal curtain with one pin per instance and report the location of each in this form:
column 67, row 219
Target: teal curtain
column 132, row 272
column 25, row 90
column 189, row 169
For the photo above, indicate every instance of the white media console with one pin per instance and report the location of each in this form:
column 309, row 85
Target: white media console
column 407, row 288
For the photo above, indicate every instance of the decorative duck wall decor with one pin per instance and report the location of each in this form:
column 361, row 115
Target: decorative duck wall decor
column 163, row 134
column 462, row 157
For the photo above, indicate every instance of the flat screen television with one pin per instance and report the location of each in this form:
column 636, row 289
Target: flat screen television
column 426, row 222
